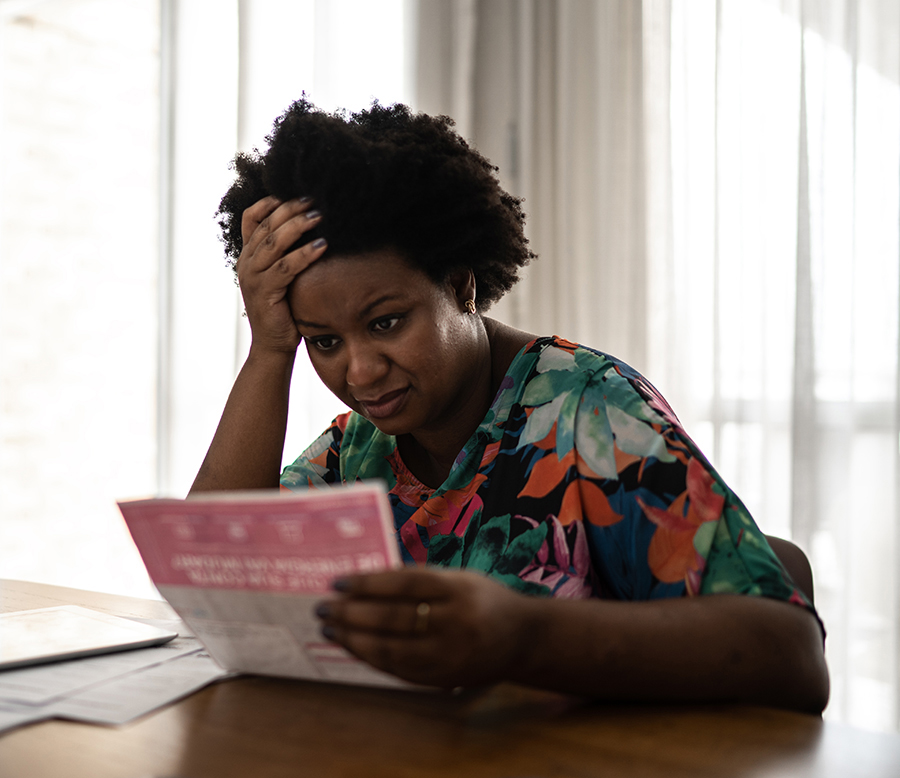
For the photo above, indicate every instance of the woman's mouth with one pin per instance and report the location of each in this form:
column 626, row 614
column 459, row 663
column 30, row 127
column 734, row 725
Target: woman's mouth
column 384, row 406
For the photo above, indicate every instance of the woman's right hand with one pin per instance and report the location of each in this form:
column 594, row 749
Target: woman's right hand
column 265, row 271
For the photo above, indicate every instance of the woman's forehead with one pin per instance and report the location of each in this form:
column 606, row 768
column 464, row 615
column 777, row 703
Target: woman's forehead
column 386, row 265
column 358, row 283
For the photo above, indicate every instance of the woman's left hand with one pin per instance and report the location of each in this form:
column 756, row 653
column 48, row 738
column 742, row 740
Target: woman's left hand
column 444, row 628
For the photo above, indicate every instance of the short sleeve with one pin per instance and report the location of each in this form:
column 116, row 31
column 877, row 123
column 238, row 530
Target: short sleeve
column 670, row 525
column 319, row 464
column 350, row 450
column 740, row 560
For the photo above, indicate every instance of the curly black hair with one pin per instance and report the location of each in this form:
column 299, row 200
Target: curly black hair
column 387, row 178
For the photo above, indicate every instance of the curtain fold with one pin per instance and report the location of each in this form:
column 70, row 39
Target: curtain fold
column 553, row 95
column 713, row 190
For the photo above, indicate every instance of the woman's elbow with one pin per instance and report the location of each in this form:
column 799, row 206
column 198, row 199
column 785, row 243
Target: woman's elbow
column 801, row 681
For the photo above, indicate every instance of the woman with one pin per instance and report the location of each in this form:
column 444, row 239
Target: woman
column 572, row 531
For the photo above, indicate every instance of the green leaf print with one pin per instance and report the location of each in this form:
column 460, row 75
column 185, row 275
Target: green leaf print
column 446, row 550
column 364, row 450
column 546, row 387
column 487, row 544
column 620, row 393
column 522, row 550
column 636, row 437
column 556, row 359
column 565, row 431
column 595, row 440
column 540, row 422
column 587, row 362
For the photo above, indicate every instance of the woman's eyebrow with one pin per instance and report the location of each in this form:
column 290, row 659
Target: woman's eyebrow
column 386, row 298
column 311, row 324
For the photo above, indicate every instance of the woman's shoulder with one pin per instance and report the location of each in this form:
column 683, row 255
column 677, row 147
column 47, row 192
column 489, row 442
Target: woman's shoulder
column 564, row 379
column 554, row 354
column 520, row 354
column 622, row 383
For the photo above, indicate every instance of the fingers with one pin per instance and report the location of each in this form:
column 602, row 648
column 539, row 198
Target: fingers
column 270, row 212
column 399, row 636
column 408, row 618
column 270, row 227
column 254, row 215
column 439, row 627
column 267, row 266
column 401, row 602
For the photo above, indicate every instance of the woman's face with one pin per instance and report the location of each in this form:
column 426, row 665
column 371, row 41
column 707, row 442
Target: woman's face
column 392, row 344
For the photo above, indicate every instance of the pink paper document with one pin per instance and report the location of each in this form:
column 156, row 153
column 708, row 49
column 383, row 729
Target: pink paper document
column 246, row 569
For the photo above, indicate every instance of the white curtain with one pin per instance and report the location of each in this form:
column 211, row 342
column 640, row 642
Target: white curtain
column 713, row 190
column 120, row 325
column 522, row 81
column 229, row 68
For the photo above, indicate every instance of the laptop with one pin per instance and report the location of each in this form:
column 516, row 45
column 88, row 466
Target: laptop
column 69, row 632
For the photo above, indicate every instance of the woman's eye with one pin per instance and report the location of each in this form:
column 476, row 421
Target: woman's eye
column 324, row 343
column 385, row 324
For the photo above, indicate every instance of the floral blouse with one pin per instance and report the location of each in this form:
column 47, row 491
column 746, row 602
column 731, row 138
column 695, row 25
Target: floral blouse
column 579, row 482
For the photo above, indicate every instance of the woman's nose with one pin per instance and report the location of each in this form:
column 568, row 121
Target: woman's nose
column 366, row 366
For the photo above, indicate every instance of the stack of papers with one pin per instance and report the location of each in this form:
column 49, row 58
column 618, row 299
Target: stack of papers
column 111, row 688
column 244, row 571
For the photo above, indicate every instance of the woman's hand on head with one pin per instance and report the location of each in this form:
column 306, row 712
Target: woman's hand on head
column 436, row 627
column 266, row 267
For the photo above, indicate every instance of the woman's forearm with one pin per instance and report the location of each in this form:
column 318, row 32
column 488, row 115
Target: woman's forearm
column 711, row 648
column 248, row 445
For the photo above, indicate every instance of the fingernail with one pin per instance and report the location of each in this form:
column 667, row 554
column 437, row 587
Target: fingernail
column 340, row 584
column 313, row 214
column 318, row 244
column 323, row 610
column 304, row 200
column 328, row 632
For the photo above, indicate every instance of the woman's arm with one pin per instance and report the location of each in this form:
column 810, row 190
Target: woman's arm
column 708, row 648
column 246, row 450
column 716, row 648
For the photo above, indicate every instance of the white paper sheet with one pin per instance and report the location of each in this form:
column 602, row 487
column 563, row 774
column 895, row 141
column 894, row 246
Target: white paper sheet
column 108, row 689
column 245, row 571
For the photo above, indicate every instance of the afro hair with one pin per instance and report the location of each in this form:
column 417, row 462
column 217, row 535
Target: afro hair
column 386, row 178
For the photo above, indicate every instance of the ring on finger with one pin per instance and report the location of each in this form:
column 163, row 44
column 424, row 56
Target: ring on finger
column 423, row 612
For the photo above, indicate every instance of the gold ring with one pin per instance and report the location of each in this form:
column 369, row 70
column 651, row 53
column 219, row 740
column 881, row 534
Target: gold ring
column 423, row 611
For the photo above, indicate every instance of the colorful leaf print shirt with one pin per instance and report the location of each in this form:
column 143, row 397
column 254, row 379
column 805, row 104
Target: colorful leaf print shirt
column 579, row 482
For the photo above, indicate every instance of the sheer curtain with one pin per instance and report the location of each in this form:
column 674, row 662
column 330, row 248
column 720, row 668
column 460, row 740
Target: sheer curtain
column 78, row 244
column 120, row 325
column 712, row 189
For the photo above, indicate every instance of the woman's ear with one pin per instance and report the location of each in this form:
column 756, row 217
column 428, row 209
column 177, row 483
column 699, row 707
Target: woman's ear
column 463, row 284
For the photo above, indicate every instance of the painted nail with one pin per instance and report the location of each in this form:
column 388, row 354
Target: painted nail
column 323, row 610
column 304, row 200
column 318, row 244
column 313, row 215
column 328, row 632
column 340, row 584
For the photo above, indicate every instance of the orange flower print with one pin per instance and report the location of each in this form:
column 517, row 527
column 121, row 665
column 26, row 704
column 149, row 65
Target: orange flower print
column 447, row 506
column 672, row 556
column 548, row 472
column 452, row 510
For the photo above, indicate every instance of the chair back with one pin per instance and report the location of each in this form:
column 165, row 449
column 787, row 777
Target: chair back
column 795, row 562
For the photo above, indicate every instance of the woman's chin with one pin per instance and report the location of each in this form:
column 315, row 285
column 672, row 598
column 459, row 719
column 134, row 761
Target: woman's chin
column 390, row 426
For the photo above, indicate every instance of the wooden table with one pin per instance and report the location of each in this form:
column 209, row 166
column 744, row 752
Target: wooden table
column 255, row 727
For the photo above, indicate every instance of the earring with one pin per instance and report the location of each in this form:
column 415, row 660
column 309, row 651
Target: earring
column 470, row 306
